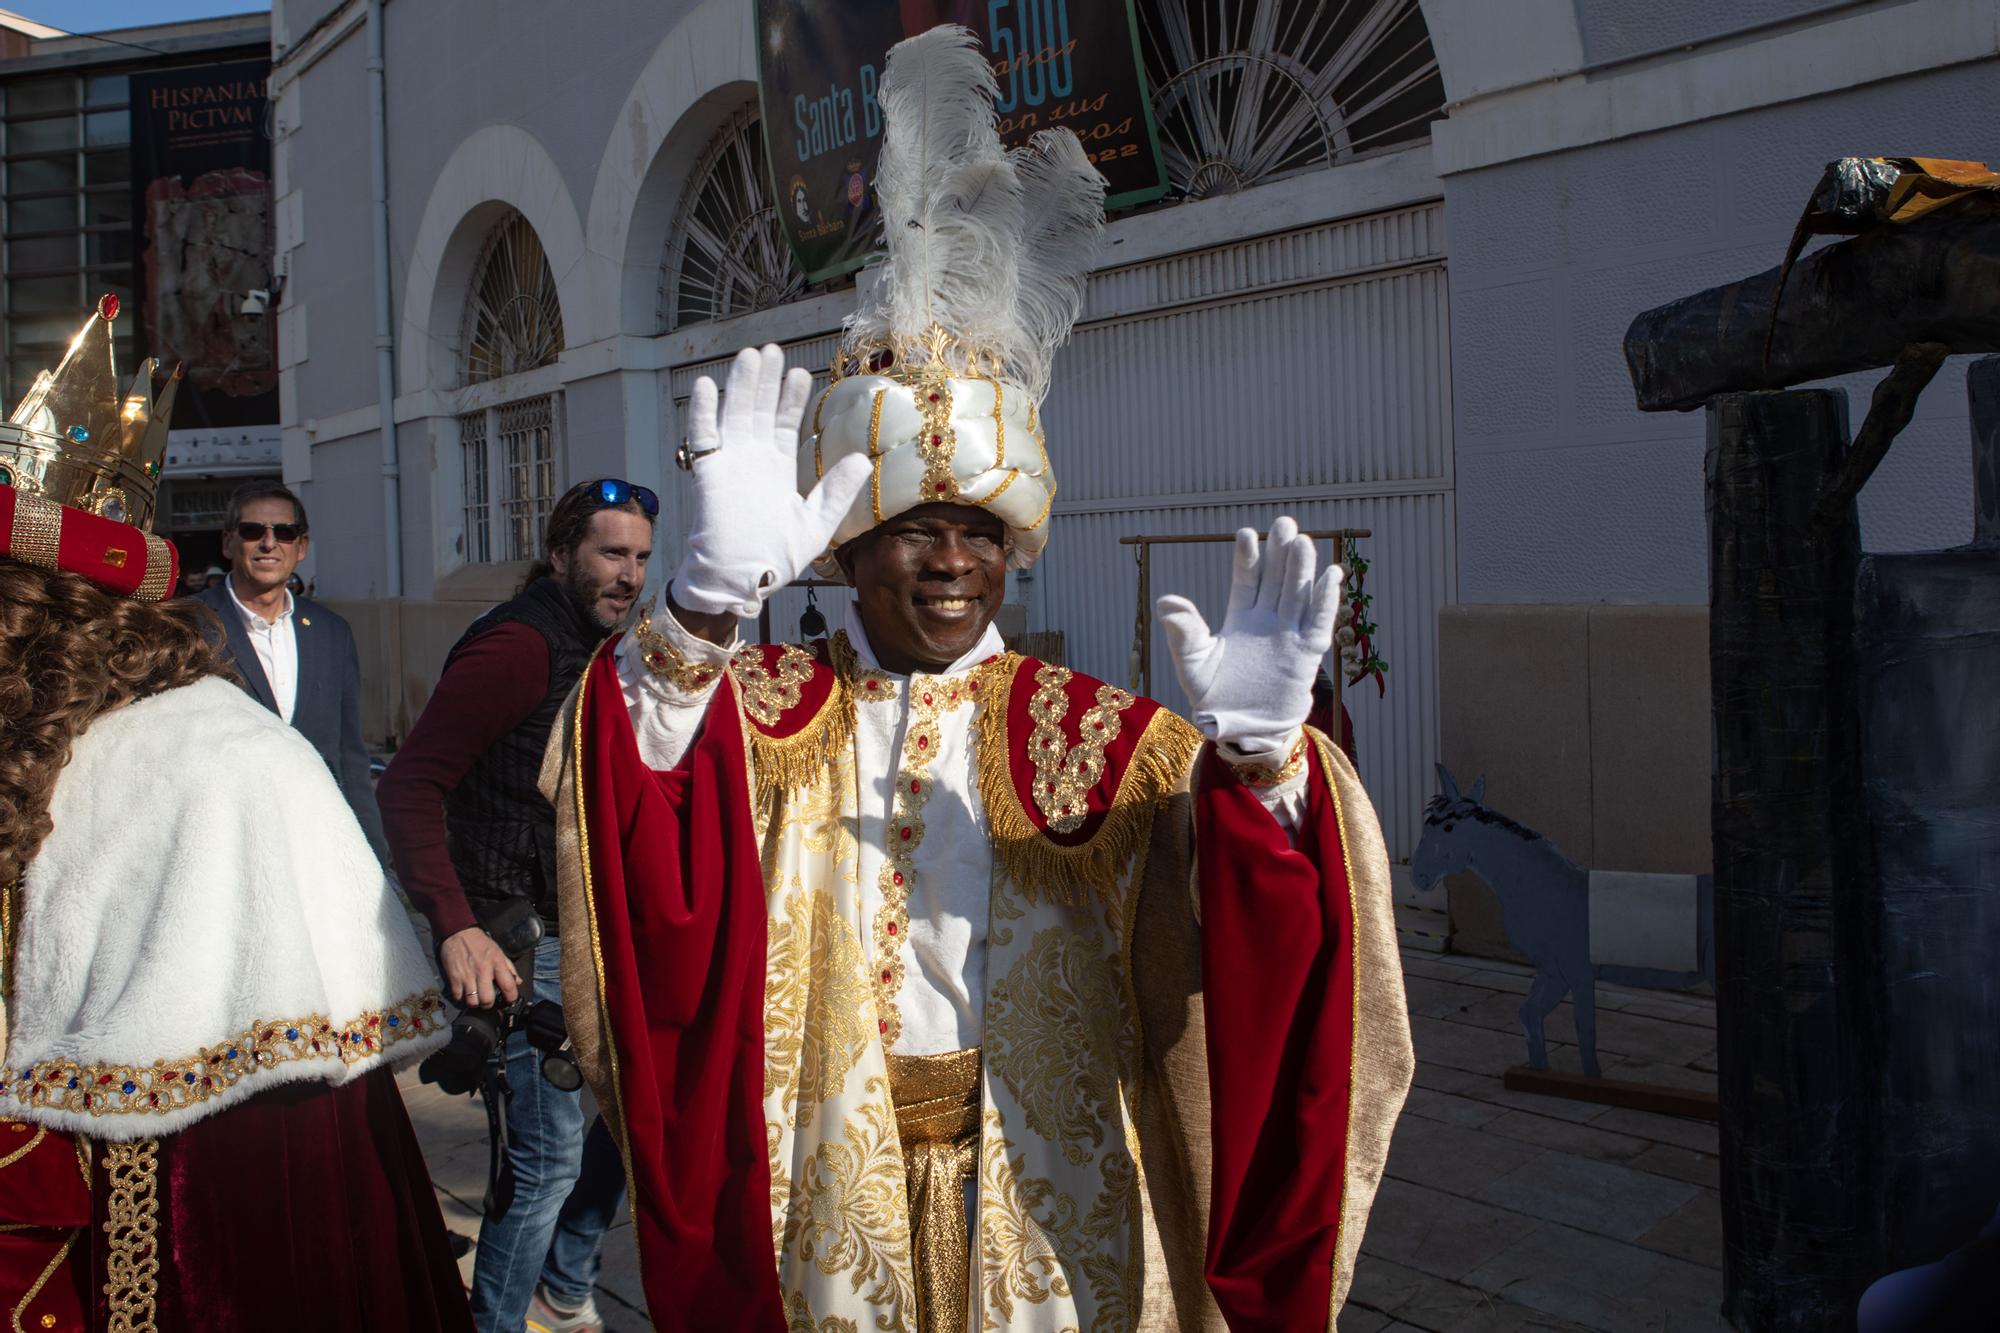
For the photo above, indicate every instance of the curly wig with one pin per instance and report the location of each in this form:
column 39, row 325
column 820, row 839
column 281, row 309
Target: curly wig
column 70, row 651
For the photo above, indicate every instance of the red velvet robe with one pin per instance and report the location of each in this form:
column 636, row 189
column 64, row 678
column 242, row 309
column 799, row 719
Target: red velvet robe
column 307, row 1207
column 671, row 910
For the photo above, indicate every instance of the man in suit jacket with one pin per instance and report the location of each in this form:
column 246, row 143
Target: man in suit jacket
column 296, row 656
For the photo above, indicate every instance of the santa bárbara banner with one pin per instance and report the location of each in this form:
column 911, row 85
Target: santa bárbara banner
column 1059, row 64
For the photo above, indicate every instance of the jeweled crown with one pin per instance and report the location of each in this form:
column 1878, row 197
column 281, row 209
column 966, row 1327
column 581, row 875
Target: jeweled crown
column 77, row 440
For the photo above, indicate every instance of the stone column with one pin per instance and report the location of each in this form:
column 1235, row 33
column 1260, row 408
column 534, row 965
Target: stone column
column 1796, row 1119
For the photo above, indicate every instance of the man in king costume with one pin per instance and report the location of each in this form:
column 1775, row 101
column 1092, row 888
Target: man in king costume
column 929, row 986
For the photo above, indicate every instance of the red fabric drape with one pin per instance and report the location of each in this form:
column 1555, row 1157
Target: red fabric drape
column 1278, row 982
column 678, row 897
column 305, row 1208
column 44, row 1203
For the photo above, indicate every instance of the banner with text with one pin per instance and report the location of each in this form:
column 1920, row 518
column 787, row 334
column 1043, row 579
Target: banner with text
column 1059, row 64
column 202, row 211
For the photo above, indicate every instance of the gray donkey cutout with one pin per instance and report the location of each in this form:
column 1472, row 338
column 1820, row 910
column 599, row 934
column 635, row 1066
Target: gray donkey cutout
column 1544, row 904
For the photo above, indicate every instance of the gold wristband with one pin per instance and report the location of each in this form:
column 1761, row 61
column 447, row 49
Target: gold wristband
column 1262, row 777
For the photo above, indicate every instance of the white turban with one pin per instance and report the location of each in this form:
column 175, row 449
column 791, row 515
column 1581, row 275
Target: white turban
column 935, row 438
column 947, row 353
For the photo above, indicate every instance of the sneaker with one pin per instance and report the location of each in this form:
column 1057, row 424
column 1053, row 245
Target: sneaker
column 545, row 1316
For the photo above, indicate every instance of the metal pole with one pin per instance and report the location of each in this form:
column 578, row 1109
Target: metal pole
column 1146, row 611
column 1339, row 672
column 385, row 336
column 1336, row 534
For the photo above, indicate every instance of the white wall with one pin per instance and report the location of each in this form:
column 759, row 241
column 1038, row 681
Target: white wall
column 1569, row 207
column 489, row 103
column 1625, row 31
column 1567, row 493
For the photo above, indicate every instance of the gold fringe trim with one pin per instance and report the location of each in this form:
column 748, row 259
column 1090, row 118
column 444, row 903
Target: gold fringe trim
column 782, row 765
column 1071, row 873
column 132, row 1240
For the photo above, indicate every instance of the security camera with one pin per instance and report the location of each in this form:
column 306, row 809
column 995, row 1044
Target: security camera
column 255, row 302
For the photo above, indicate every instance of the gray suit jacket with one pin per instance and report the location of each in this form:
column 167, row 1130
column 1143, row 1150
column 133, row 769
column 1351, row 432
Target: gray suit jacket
column 327, row 710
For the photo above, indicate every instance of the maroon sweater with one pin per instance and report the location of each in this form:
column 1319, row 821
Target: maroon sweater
column 489, row 689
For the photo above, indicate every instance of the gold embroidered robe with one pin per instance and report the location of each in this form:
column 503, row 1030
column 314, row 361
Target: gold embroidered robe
column 1096, row 1150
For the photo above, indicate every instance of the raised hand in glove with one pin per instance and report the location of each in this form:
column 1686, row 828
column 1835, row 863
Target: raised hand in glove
column 752, row 532
column 1251, row 684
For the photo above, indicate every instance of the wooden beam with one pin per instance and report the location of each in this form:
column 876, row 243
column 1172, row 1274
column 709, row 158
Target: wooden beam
column 1849, row 307
column 1612, row 1092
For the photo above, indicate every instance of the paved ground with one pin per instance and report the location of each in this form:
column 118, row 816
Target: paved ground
column 1502, row 1210
column 1506, row 1210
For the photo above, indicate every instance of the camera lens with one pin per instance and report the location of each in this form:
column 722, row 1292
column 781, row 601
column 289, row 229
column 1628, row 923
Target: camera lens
column 560, row 1069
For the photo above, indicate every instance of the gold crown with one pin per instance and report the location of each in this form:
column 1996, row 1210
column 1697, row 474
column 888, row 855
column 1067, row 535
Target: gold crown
column 76, row 440
column 936, row 350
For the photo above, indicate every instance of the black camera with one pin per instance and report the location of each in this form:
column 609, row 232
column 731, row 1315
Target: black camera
column 460, row 1066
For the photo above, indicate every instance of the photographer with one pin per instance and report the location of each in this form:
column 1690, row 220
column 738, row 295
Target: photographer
column 474, row 845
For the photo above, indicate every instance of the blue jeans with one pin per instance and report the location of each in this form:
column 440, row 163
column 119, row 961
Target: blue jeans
column 567, row 1186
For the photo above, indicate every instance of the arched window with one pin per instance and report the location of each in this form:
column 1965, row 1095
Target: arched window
column 510, row 448
column 726, row 253
column 1248, row 92
column 513, row 321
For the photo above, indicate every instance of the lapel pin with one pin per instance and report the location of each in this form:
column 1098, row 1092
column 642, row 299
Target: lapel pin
column 305, row 620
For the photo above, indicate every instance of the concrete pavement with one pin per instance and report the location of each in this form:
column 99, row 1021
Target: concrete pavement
column 1501, row 1210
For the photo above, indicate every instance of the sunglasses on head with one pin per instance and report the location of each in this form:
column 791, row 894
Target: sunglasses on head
column 284, row 532
column 615, row 492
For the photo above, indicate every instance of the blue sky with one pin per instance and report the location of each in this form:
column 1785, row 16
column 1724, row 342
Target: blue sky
column 100, row 15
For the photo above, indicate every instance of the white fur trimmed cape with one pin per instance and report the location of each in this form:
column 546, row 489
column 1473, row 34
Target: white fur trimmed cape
column 205, row 921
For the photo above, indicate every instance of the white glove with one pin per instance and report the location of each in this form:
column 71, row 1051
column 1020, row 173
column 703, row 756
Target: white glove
column 1251, row 685
column 752, row 532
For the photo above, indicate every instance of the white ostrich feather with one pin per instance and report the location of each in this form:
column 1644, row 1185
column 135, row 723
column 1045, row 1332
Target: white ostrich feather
column 951, row 203
column 993, row 246
column 1062, row 204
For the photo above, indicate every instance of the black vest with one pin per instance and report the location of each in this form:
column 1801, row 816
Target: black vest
column 502, row 832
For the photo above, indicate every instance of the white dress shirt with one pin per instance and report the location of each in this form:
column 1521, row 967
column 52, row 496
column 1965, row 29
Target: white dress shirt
column 277, row 646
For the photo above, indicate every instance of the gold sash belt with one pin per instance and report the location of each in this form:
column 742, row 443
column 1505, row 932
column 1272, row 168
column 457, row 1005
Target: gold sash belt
column 937, row 1119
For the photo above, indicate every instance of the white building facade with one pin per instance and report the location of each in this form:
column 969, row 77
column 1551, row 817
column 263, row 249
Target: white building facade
column 1388, row 293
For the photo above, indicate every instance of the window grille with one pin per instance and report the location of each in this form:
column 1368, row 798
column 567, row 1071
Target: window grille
column 526, row 431
column 478, row 515
column 1248, row 92
column 510, row 451
column 726, row 253
column 513, row 319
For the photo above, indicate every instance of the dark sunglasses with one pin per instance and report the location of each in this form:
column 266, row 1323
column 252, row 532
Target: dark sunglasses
column 615, row 492
column 284, row 532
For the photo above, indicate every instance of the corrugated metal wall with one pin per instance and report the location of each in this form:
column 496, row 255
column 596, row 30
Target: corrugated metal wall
column 1305, row 373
